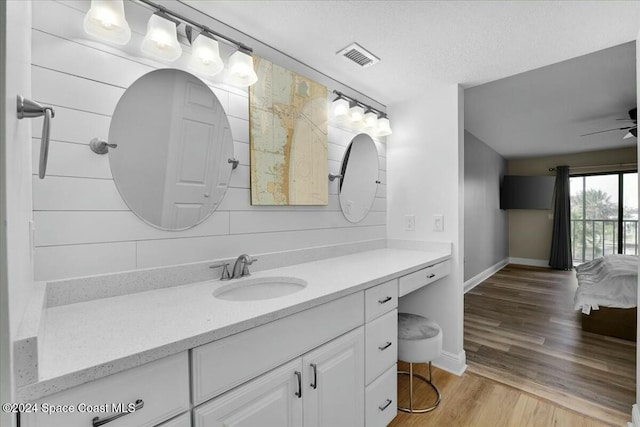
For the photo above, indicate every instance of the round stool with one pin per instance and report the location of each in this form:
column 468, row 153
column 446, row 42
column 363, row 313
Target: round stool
column 419, row 341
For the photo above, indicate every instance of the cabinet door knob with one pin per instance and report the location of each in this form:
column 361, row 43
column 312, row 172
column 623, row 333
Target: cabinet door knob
column 314, row 384
column 431, row 276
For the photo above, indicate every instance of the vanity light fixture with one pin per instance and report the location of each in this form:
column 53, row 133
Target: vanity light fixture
column 105, row 20
column 161, row 40
column 205, row 54
column 360, row 116
column 241, row 72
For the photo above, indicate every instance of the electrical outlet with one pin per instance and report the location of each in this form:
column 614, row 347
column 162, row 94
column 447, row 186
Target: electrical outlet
column 438, row 223
column 409, row 222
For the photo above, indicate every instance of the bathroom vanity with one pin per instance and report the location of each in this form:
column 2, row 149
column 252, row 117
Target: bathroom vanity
column 188, row 355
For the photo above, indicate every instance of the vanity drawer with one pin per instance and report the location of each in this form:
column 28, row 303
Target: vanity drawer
column 162, row 385
column 380, row 299
column 381, row 404
column 417, row 279
column 221, row 365
column 381, row 345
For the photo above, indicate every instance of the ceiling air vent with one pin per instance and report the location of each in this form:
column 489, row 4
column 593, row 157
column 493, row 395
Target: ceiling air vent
column 359, row 55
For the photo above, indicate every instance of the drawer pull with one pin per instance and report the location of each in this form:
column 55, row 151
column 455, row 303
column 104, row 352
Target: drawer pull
column 385, row 405
column 385, row 346
column 299, row 392
column 384, row 301
column 97, row 422
column 314, row 384
column 431, row 276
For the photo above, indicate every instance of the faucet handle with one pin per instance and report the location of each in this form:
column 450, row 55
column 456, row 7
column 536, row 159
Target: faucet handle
column 245, row 266
column 225, row 270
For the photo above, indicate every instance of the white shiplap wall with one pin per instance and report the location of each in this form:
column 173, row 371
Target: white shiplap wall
column 83, row 226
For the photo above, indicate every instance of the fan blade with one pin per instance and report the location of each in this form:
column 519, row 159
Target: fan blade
column 609, row 130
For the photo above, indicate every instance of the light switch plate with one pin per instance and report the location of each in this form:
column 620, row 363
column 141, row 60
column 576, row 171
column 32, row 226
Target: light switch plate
column 438, row 223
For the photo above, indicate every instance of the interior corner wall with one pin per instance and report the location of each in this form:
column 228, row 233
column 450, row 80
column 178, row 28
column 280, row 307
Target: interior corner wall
column 424, row 161
column 16, row 179
column 486, row 226
column 83, row 226
column 530, row 230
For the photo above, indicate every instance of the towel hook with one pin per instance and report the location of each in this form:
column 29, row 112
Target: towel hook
column 28, row 109
column 332, row 177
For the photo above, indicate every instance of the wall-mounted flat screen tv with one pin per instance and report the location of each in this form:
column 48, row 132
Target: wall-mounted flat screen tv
column 527, row 192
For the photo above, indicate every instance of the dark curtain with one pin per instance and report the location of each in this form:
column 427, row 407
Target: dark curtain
column 561, row 258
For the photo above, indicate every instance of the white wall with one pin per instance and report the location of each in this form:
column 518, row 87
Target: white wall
column 82, row 225
column 426, row 165
column 486, row 226
column 17, row 263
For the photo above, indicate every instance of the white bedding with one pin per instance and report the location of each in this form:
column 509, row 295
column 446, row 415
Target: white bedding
column 610, row 281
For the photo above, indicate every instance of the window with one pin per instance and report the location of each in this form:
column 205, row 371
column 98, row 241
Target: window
column 604, row 215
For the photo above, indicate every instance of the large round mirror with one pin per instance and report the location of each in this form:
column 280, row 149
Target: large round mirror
column 171, row 164
column 359, row 181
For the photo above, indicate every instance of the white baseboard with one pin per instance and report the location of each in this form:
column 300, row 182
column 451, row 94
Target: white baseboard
column 483, row 275
column 453, row 363
column 635, row 417
column 529, row 261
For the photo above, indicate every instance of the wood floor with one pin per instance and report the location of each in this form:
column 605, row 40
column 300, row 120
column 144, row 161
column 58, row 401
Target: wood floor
column 472, row 400
column 520, row 329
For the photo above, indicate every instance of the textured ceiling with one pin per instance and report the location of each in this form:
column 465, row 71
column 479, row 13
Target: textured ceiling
column 544, row 111
column 428, row 42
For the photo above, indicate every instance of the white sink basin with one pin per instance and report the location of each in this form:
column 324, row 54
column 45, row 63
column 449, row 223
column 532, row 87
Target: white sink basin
column 259, row 288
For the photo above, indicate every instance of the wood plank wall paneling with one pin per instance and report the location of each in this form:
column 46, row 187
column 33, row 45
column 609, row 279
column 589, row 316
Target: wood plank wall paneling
column 84, row 227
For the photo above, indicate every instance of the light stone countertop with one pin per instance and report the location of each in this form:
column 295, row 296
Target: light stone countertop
column 85, row 341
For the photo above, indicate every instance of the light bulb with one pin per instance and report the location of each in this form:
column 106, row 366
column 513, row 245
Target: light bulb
column 370, row 121
column 340, row 109
column 205, row 56
column 356, row 114
column 241, row 71
column 161, row 40
column 105, row 20
column 384, row 128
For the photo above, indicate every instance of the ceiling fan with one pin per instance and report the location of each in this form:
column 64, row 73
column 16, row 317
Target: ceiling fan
column 633, row 129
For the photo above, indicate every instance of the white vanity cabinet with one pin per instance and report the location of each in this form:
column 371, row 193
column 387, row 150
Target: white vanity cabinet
column 322, row 388
column 162, row 388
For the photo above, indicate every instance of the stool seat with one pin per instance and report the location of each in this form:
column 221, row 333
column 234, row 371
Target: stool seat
column 419, row 341
column 419, row 338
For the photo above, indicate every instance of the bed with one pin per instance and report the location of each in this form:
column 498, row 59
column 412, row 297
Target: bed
column 607, row 295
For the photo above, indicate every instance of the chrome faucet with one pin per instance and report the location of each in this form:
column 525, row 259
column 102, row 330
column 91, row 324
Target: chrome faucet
column 241, row 266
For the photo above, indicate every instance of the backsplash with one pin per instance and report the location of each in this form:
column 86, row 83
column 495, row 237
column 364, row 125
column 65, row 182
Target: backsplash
column 82, row 225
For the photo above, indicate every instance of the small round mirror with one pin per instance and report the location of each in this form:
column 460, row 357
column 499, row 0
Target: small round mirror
column 171, row 164
column 359, row 181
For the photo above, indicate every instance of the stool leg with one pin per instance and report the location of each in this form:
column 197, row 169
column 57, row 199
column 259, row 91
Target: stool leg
column 429, row 381
column 410, row 387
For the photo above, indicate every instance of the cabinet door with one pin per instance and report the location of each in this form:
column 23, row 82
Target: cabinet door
column 333, row 379
column 270, row 400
